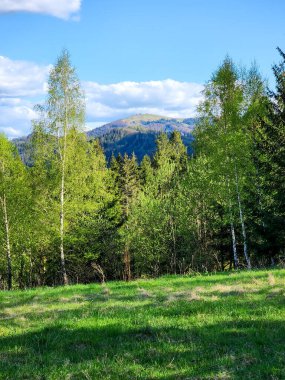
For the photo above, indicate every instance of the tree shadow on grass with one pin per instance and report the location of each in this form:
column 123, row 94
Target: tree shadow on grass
column 229, row 350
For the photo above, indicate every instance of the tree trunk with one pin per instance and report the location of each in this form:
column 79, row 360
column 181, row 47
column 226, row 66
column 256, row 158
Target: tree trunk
column 127, row 256
column 234, row 244
column 62, row 256
column 245, row 252
column 30, row 269
column 174, row 255
column 127, row 264
column 8, row 248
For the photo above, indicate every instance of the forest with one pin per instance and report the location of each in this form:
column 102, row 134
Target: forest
column 71, row 216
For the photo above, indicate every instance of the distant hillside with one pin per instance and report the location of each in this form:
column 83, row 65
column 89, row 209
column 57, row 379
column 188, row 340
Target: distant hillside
column 138, row 133
column 23, row 146
column 145, row 123
column 134, row 134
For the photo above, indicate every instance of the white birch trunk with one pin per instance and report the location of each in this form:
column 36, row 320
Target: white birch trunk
column 62, row 256
column 173, row 256
column 234, row 244
column 62, row 193
column 233, row 235
column 127, row 257
column 245, row 252
column 7, row 238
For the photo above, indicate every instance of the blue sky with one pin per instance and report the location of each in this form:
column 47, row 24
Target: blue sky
column 132, row 56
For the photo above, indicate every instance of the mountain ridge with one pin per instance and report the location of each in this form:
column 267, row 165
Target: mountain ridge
column 135, row 134
column 156, row 123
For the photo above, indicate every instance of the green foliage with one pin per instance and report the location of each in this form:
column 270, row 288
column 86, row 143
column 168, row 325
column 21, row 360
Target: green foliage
column 225, row 137
column 76, row 213
column 270, row 160
column 15, row 217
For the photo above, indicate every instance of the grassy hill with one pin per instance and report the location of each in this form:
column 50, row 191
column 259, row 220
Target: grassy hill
column 224, row 326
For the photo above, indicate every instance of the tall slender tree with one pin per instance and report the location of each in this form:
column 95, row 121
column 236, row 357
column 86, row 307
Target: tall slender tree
column 61, row 123
column 13, row 196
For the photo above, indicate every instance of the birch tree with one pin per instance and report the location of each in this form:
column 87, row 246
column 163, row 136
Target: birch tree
column 60, row 125
column 223, row 134
column 13, row 195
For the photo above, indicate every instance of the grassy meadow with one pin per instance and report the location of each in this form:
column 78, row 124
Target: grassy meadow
column 221, row 326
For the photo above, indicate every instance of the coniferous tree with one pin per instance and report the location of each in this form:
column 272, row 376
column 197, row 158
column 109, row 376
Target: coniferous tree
column 128, row 188
column 146, row 171
column 271, row 163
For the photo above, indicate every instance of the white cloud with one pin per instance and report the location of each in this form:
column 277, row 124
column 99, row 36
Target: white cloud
column 11, row 132
column 167, row 97
column 63, row 9
column 21, row 78
column 23, row 84
column 15, row 120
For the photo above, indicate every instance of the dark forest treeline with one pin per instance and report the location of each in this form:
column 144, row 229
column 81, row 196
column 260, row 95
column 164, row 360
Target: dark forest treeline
column 71, row 218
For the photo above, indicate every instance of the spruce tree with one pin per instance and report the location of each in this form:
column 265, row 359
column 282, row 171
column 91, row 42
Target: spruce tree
column 271, row 163
column 128, row 186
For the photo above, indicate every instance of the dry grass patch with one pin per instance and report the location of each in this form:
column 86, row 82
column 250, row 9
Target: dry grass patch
column 143, row 293
column 189, row 295
column 271, row 279
column 106, row 291
column 214, row 298
column 193, row 296
column 167, row 289
column 229, row 290
column 257, row 281
column 171, row 298
column 64, row 299
column 77, row 298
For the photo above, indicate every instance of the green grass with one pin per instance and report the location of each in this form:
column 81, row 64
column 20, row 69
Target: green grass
column 224, row 326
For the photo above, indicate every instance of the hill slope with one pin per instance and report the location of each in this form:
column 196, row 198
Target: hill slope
column 138, row 133
column 224, row 326
column 145, row 123
column 134, row 134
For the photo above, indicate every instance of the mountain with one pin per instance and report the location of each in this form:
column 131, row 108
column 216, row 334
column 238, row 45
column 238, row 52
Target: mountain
column 134, row 134
column 138, row 133
column 23, row 146
column 145, row 123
